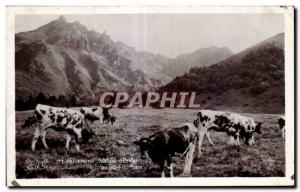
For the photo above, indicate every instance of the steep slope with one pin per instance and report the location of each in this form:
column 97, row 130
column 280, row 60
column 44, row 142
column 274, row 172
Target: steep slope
column 250, row 81
column 62, row 58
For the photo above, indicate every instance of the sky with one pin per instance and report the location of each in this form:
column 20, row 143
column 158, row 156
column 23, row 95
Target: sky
column 173, row 34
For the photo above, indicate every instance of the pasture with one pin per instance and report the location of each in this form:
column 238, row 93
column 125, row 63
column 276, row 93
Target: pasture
column 111, row 152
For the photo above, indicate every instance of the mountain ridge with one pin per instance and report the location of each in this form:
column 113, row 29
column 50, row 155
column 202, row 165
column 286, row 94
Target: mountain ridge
column 50, row 58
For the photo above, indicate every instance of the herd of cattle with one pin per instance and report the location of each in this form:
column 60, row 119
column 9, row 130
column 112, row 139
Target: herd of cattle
column 159, row 147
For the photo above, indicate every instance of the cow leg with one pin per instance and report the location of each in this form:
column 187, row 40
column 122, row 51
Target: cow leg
column 283, row 132
column 162, row 169
column 86, row 124
column 189, row 159
column 163, row 173
column 77, row 146
column 232, row 140
column 209, row 138
column 200, row 141
column 44, row 139
column 35, row 138
column 68, row 141
column 251, row 142
column 170, row 166
column 171, row 170
column 238, row 141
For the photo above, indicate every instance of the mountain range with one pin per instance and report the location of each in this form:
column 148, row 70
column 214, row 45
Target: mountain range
column 63, row 58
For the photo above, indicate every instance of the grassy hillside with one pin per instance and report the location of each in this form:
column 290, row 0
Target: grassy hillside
column 252, row 80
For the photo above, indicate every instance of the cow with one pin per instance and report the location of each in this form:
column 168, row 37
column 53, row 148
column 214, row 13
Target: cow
column 281, row 124
column 68, row 121
column 107, row 117
column 92, row 114
column 162, row 146
column 236, row 126
column 29, row 122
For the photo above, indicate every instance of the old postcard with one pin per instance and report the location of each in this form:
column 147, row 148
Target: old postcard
column 150, row 96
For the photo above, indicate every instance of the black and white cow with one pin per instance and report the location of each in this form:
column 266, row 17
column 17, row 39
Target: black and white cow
column 68, row 121
column 92, row 114
column 281, row 124
column 162, row 146
column 98, row 114
column 108, row 117
column 235, row 125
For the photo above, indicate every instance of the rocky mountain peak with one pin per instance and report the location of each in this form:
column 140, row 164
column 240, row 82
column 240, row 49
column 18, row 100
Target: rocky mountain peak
column 62, row 19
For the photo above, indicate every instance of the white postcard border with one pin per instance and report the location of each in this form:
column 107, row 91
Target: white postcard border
column 288, row 180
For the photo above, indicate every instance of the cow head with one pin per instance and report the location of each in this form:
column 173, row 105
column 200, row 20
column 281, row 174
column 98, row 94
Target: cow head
column 258, row 127
column 144, row 144
column 112, row 119
column 281, row 123
column 245, row 135
column 29, row 122
column 248, row 136
column 86, row 135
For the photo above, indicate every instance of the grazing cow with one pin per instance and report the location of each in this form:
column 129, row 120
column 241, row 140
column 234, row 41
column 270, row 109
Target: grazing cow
column 235, row 125
column 162, row 146
column 29, row 122
column 106, row 114
column 281, row 123
column 93, row 114
column 60, row 119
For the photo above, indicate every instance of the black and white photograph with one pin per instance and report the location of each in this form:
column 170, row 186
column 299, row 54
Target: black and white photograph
column 126, row 96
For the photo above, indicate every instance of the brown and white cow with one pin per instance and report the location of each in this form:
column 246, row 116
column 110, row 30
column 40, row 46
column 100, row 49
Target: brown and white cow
column 281, row 124
column 68, row 121
column 236, row 126
column 162, row 146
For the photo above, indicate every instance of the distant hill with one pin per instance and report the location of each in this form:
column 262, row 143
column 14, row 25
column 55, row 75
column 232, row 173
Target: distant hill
column 200, row 58
column 249, row 81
